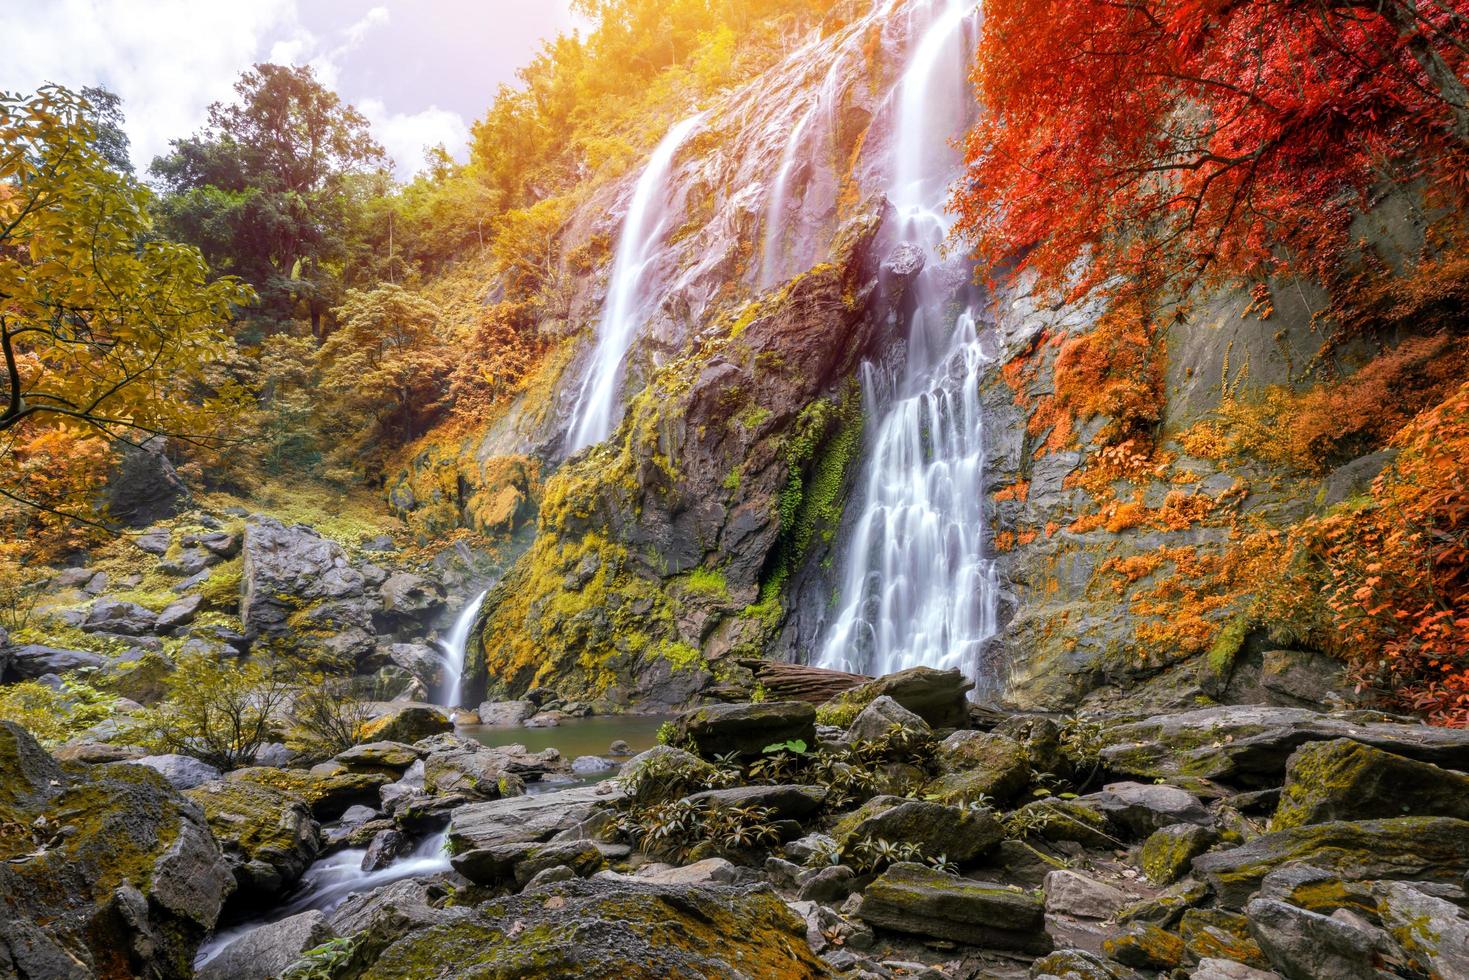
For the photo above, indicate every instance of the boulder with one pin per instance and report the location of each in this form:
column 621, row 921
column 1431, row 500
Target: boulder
column 521, row 861
column 412, row 596
column 959, row 833
column 288, row 570
column 386, row 846
column 187, row 562
column 1070, row 893
column 875, row 721
column 1304, row 945
column 420, row 660
column 265, row 951
column 915, row 899
column 376, row 918
column 267, row 836
column 587, row 764
column 406, row 723
column 936, row 696
column 1346, row 780
column 328, row 789
column 1401, row 849
column 105, row 870
column 32, row 660
column 980, row 764
column 612, row 926
column 706, row 872
column 525, row 818
column 1301, row 677
column 505, row 712
column 379, row 756
column 1251, row 743
column 143, row 487
column 179, row 613
column 1055, row 819
column 1145, row 947
column 1216, row 969
column 181, row 771
column 1139, row 809
column 748, row 728
column 121, row 618
column 1432, row 931
column 1168, row 853
column 154, row 541
column 783, row 802
column 472, row 770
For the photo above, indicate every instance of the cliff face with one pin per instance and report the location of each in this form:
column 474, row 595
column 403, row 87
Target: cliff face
column 1127, row 522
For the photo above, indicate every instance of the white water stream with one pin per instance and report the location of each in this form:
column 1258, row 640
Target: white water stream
column 916, row 586
column 637, row 245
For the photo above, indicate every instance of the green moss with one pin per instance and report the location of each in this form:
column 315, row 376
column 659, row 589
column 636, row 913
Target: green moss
column 221, row 590
column 680, row 655
column 1226, row 647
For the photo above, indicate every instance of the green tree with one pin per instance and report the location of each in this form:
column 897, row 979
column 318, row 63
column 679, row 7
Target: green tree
column 267, row 189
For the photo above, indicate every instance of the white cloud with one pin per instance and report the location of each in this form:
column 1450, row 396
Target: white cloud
column 167, row 59
column 406, row 135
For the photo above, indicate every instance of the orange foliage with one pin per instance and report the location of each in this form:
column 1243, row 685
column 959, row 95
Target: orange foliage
column 503, row 349
column 1017, row 491
column 60, row 469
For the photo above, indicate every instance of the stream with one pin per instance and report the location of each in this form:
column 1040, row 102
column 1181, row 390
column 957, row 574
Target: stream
column 331, row 879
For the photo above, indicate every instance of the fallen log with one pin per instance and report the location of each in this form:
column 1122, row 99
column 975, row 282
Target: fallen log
column 798, row 682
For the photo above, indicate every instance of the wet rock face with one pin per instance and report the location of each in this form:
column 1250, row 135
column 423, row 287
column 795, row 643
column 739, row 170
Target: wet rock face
column 107, row 871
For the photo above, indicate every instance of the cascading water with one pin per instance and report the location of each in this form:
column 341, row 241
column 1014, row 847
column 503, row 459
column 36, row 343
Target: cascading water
column 642, row 231
column 917, row 587
column 454, row 646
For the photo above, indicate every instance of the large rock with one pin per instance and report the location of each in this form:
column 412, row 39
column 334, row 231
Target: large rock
column 612, row 927
column 181, row 771
column 143, row 487
column 936, row 696
column 328, row 789
column 289, row 572
column 1251, row 743
column 1431, row 930
column 31, row 660
column 1401, row 849
column 410, row 596
column 123, row 618
column 1168, row 853
column 1305, row 945
column 382, row 756
column 520, row 862
column 1139, row 809
column 104, row 870
column 1346, row 780
column 980, row 764
column 748, row 728
column 524, row 819
column 421, row 660
column 916, row 899
column 505, row 712
column 407, row 723
column 474, row 770
column 960, row 833
column 267, row 835
column 375, row 919
column 265, row 951
column 881, row 717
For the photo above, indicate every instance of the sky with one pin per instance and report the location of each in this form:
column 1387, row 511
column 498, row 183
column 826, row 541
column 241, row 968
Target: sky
column 421, row 71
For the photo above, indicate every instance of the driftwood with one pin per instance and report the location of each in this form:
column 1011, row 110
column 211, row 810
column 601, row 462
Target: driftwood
column 796, row 682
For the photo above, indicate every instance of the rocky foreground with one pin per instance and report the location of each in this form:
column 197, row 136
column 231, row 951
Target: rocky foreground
column 905, row 834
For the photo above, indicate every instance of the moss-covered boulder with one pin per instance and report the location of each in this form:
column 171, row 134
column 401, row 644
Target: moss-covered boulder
column 936, row 696
column 104, row 870
column 267, row 835
column 747, row 728
column 1346, row 780
column 1145, row 947
column 1167, row 854
column 1054, row 819
column 381, row 756
column 1217, row 934
column 979, row 764
column 916, row 899
column 329, row 790
column 1400, row 849
column 960, row 833
column 608, row 928
column 1434, row 932
column 406, row 723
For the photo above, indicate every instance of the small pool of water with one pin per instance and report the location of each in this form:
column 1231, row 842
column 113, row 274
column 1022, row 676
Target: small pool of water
column 575, row 736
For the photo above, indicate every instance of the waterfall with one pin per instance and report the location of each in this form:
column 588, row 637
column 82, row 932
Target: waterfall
column 642, row 230
column 454, row 645
column 916, row 585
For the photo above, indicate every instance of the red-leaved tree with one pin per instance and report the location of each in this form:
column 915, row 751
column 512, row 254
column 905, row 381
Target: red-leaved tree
column 1175, row 140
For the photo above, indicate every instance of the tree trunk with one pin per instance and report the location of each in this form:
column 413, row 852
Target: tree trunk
column 797, row 682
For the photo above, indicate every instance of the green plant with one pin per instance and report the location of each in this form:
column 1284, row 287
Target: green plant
column 328, row 716
column 667, row 734
column 218, row 712
column 322, row 962
column 51, row 715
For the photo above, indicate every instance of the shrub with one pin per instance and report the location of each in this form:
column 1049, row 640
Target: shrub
column 54, row 716
column 218, row 712
column 328, row 716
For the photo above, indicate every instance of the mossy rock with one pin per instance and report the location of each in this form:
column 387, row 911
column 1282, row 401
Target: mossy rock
column 1168, row 906
column 607, row 928
column 960, row 833
column 406, row 724
column 1217, row 934
column 1055, row 819
column 1168, row 853
column 981, row 764
column 1402, row 849
column 1346, row 780
column 328, row 790
column 267, row 835
column 105, row 870
column 915, row 899
column 747, row 728
column 1145, row 947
